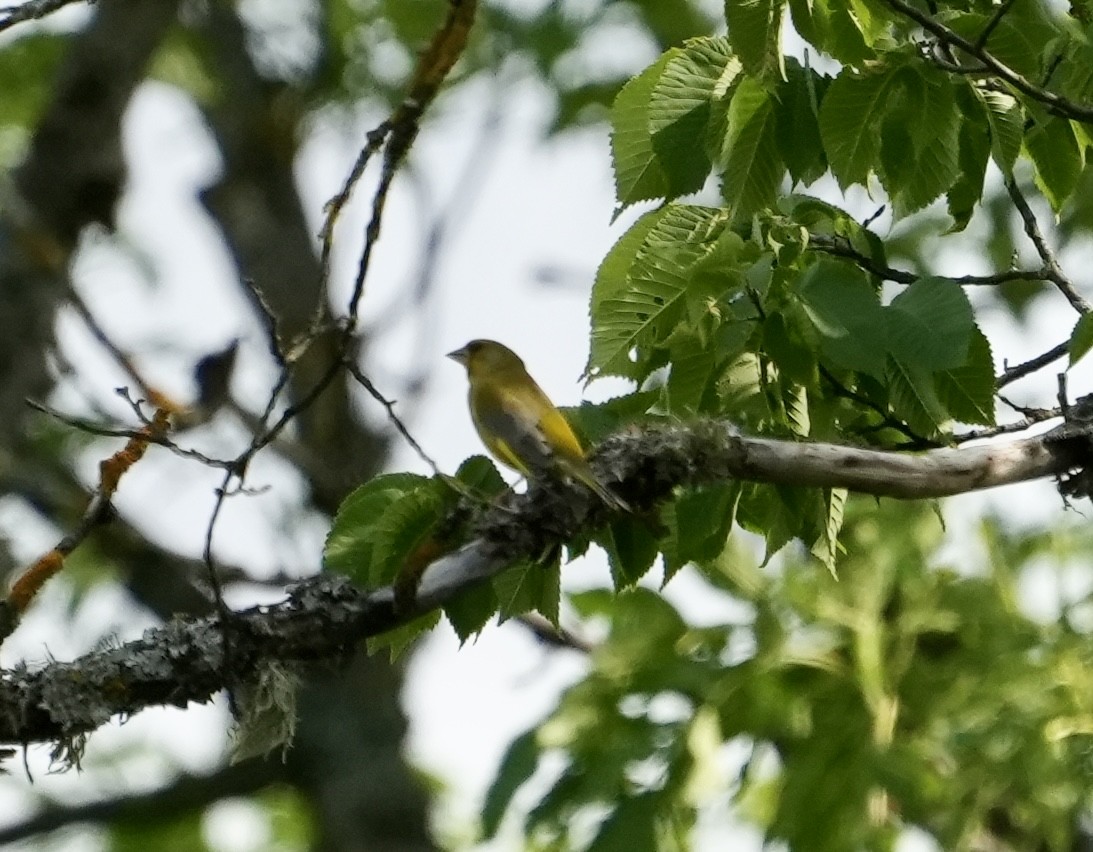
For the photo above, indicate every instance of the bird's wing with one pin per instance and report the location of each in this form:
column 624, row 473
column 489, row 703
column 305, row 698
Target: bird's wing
column 510, row 428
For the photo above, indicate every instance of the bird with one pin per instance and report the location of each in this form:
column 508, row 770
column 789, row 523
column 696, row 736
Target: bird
column 519, row 424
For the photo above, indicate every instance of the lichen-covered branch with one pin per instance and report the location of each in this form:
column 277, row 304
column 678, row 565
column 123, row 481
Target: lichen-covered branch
column 323, row 619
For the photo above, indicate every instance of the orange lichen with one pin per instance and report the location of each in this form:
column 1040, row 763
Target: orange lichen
column 32, row 580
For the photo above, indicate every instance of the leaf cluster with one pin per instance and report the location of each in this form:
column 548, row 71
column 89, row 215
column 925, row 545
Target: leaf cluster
column 389, row 530
column 901, row 695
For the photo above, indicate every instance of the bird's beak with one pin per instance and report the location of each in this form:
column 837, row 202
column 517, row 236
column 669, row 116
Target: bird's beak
column 459, row 355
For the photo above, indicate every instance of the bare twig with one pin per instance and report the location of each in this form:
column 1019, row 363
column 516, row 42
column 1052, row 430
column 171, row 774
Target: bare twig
column 1039, row 416
column 996, row 19
column 389, row 406
column 1031, row 413
column 270, row 324
column 335, row 205
column 99, row 333
column 182, row 795
column 111, row 470
column 394, row 137
column 1012, row 374
column 555, row 637
column 107, row 431
column 838, row 247
column 887, row 420
column 1051, row 271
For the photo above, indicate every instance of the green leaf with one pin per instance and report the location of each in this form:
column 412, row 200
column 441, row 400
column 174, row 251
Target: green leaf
column 632, row 825
column 1007, row 127
column 783, row 342
column 680, row 110
column 930, row 324
column 404, row 525
column 639, row 175
column 848, row 315
column 350, row 542
column 913, row 398
column 645, row 312
column 935, row 133
column 761, row 511
column 797, row 129
column 1081, row 339
column 832, row 28
column 481, row 475
column 755, row 32
column 1019, row 40
column 716, row 277
column 826, row 547
column 470, row 610
column 529, row 586
column 613, row 282
column 700, row 521
column 1054, row 150
column 795, row 405
column 752, row 166
column 401, row 638
column 785, row 518
column 967, row 392
column 1075, row 72
column 692, row 366
column 631, row 549
column 821, row 217
column 517, row 766
column 594, row 421
column 851, row 118
column 703, row 70
column 974, row 152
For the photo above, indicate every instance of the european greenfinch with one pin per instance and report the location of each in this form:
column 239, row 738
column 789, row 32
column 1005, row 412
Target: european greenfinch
column 517, row 421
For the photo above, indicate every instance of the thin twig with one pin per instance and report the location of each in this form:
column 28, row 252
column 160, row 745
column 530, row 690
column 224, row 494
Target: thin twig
column 838, row 247
column 389, row 406
column 1028, row 422
column 99, row 333
column 554, row 637
column 1036, row 415
column 1012, row 374
column 111, row 470
column 996, row 19
column 394, row 137
column 375, row 139
column 270, row 325
column 1052, row 271
column 887, row 420
column 107, row 431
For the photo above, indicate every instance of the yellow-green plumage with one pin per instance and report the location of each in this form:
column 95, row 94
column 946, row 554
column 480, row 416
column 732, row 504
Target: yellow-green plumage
column 517, row 421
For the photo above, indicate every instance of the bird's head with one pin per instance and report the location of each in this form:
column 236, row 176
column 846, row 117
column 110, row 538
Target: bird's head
column 482, row 357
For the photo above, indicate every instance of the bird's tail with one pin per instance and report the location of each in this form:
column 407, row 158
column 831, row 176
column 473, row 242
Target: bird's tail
column 612, row 500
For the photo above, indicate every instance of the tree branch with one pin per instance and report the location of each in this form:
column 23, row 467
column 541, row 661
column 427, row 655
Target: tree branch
column 1052, row 270
column 30, row 10
column 184, row 795
column 840, row 247
column 1018, row 371
column 324, row 618
column 1063, row 106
